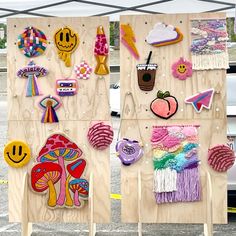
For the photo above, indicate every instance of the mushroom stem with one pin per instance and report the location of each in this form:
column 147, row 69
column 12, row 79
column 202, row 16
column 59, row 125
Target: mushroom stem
column 69, row 201
column 62, row 194
column 76, row 198
column 52, row 200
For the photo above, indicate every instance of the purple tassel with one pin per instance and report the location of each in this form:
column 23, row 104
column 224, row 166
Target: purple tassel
column 188, row 188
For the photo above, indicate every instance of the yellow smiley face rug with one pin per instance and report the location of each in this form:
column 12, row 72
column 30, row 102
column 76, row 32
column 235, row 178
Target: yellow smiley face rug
column 17, row 153
column 66, row 41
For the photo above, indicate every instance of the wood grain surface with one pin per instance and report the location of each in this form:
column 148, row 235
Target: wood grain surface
column 75, row 115
column 212, row 122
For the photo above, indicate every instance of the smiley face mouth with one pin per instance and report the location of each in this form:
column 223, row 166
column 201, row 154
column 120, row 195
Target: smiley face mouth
column 15, row 160
column 182, row 69
column 69, row 46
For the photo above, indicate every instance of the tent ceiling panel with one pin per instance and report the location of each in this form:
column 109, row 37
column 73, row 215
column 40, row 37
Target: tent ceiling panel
column 185, row 6
column 109, row 7
column 74, row 9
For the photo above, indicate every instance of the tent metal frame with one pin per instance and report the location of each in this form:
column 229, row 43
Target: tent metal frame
column 117, row 8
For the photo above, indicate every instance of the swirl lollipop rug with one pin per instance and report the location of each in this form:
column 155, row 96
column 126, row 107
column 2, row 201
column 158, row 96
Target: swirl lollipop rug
column 100, row 135
column 32, row 42
column 221, row 158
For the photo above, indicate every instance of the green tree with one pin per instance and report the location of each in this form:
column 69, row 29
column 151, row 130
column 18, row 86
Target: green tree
column 230, row 29
column 4, row 40
column 114, row 33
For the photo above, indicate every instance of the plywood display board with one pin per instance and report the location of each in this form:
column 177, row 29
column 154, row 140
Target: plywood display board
column 24, row 116
column 212, row 122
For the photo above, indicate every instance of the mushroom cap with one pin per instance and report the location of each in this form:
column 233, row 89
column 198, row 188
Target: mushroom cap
column 32, row 69
column 82, row 185
column 76, row 168
column 42, row 173
column 53, row 100
column 58, row 145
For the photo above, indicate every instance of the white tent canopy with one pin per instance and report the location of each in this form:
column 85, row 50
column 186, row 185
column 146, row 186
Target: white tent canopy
column 26, row 8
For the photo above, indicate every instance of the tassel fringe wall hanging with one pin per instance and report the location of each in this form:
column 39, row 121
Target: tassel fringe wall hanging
column 209, row 49
column 175, row 159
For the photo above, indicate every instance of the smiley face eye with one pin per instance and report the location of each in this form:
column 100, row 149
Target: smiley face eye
column 61, row 36
column 20, row 150
column 67, row 37
column 14, row 150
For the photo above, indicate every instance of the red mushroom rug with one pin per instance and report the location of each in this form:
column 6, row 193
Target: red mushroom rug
column 59, row 172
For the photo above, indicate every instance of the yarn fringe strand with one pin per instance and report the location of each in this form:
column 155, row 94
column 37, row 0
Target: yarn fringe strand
column 209, row 62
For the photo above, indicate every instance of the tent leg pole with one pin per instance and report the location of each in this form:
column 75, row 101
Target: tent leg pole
column 139, row 203
column 208, row 226
column 26, row 226
column 92, row 225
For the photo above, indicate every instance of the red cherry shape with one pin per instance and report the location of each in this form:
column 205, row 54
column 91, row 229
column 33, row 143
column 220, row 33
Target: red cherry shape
column 164, row 106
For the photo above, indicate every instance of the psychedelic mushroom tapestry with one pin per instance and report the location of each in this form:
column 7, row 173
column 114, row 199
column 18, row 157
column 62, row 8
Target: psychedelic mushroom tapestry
column 175, row 160
column 51, row 171
column 208, row 48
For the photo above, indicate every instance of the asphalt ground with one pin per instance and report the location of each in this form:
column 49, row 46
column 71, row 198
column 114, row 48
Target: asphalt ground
column 115, row 228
